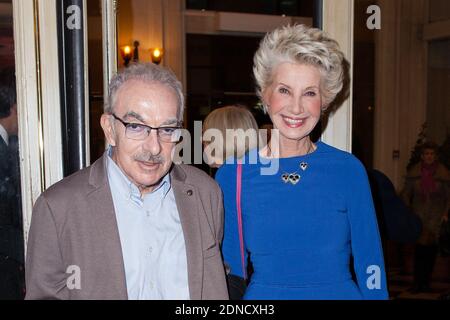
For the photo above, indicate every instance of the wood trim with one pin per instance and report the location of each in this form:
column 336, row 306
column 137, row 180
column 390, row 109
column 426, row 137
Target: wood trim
column 436, row 30
column 173, row 37
column 109, row 23
column 51, row 102
column 217, row 22
column 30, row 138
column 86, row 85
column 338, row 18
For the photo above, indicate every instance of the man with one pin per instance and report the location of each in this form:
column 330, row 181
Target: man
column 11, row 233
column 132, row 225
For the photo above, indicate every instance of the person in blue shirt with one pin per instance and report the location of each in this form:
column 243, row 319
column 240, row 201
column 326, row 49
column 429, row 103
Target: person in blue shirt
column 309, row 227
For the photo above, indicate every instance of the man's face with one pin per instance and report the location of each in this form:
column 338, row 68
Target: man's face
column 145, row 162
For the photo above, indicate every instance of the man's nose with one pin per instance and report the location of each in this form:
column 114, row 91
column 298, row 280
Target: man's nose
column 152, row 144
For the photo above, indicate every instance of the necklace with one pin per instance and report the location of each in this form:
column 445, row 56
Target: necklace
column 293, row 177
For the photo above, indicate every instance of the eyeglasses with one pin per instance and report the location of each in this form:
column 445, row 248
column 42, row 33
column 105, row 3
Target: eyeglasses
column 137, row 131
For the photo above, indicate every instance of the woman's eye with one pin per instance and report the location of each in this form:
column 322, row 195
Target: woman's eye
column 310, row 94
column 283, row 90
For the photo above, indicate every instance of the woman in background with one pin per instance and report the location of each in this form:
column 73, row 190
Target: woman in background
column 301, row 225
column 233, row 117
column 427, row 192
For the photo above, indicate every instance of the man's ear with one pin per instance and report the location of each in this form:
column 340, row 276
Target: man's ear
column 108, row 129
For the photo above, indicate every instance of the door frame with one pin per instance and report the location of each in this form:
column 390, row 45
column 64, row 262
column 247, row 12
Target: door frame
column 338, row 22
column 38, row 103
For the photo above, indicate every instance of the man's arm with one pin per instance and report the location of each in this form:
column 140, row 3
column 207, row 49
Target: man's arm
column 44, row 272
column 219, row 220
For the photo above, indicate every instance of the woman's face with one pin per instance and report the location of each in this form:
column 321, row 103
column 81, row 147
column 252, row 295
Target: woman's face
column 294, row 100
column 428, row 156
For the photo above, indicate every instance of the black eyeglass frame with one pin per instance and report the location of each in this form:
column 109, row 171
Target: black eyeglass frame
column 149, row 129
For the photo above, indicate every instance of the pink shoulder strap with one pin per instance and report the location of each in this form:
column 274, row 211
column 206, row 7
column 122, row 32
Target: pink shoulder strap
column 239, row 216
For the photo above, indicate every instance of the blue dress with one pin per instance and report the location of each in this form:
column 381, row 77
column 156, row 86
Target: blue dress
column 304, row 239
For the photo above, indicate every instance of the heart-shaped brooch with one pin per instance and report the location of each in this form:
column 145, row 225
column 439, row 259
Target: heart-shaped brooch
column 303, row 166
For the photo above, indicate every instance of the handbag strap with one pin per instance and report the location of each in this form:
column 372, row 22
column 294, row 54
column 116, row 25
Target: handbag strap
column 239, row 216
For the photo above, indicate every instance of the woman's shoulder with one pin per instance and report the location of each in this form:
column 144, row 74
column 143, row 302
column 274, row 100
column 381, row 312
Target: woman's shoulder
column 341, row 158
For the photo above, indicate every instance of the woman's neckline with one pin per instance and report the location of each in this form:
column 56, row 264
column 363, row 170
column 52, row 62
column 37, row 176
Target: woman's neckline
column 318, row 146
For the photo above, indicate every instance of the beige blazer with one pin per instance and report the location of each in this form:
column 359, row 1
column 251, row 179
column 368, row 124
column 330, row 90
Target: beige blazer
column 74, row 224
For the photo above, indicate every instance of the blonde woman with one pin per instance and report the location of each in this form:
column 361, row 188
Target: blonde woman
column 302, row 226
column 235, row 122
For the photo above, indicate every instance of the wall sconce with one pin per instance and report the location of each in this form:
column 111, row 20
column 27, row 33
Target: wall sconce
column 126, row 55
column 156, row 54
column 136, row 51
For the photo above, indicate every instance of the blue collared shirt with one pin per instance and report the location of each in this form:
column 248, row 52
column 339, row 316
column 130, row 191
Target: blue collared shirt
column 151, row 236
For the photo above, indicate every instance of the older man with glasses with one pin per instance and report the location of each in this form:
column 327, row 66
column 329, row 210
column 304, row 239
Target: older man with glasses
column 133, row 225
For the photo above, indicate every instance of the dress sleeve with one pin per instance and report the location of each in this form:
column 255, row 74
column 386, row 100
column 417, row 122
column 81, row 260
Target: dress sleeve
column 365, row 238
column 226, row 178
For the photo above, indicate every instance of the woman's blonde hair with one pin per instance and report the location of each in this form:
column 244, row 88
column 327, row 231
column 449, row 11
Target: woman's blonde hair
column 303, row 45
column 232, row 117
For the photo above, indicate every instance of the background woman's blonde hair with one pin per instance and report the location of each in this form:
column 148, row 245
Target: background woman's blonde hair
column 303, row 45
column 232, row 117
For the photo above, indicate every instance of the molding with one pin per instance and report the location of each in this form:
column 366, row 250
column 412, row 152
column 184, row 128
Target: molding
column 338, row 18
column 173, row 38
column 30, row 138
column 436, row 30
column 218, row 22
column 49, row 87
column 109, row 24
column 86, row 84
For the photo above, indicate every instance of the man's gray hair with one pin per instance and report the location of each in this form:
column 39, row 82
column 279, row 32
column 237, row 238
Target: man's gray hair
column 147, row 72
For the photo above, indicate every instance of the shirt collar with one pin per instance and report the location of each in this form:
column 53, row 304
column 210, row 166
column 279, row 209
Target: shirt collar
column 127, row 188
column 4, row 134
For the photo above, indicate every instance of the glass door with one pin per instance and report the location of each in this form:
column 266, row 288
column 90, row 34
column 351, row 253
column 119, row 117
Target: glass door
column 11, row 223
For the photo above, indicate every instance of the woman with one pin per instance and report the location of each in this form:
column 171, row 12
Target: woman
column 232, row 117
column 302, row 225
column 427, row 192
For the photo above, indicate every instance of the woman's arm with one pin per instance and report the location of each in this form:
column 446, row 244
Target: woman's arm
column 365, row 238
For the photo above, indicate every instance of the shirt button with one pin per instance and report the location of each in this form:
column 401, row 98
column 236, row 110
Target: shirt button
column 189, row 192
column 150, row 250
column 150, row 285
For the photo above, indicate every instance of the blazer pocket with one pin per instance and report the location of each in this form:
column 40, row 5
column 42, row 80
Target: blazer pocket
column 211, row 251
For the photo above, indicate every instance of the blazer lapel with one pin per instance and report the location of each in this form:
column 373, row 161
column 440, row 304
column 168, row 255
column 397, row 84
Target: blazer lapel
column 102, row 207
column 187, row 201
